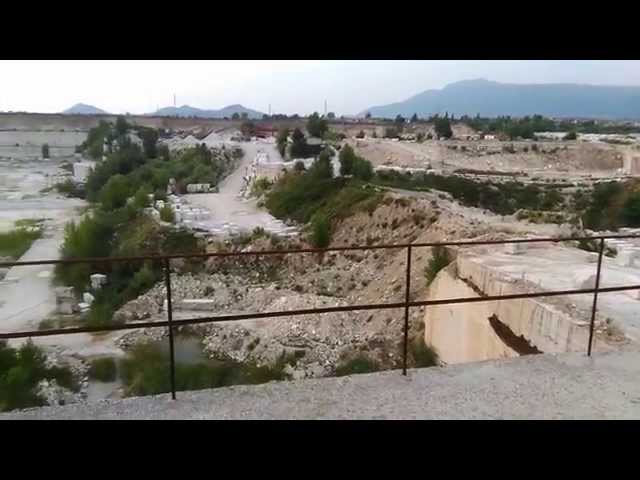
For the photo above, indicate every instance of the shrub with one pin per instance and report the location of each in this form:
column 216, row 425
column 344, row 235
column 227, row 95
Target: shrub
column 422, row 354
column 103, row 369
column 356, row 365
column 572, row 135
column 100, row 314
column 320, row 231
column 362, row 169
column 347, row 158
column 299, row 166
column 262, row 185
column 439, row 259
column 115, row 193
column 20, row 372
column 166, row 214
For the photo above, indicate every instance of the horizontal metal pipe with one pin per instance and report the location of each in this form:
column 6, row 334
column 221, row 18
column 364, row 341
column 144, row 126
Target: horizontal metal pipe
column 286, row 313
column 160, row 257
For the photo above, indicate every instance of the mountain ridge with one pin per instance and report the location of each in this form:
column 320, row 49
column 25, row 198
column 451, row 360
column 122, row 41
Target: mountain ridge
column 491, row 99
column 189, row 111
column 84, row 109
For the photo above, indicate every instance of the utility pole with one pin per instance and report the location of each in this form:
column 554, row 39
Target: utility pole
column 269, row 109
column 325, row 108
column 174, row 99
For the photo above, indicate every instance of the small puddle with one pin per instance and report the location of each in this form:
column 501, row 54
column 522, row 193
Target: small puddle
column 187, row 351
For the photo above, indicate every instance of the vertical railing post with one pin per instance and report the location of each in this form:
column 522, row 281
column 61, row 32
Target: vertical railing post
column 406, row 311
column 595, row 297
column 172, row 362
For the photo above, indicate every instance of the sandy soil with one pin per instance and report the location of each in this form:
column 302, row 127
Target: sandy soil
column 576, row 158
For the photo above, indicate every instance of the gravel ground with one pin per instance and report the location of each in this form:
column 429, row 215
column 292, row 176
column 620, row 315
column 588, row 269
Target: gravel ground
column 567, row 386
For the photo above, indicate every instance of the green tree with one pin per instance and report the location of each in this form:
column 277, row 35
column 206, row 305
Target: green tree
column 572, row 135
column 281, row 140
column 347, row 159
column 320, row 231
column 331, row 115
column 141, row 198
column 322, row 167
column 443, row 127
column 299, row 147
column 414, row 118
column 121, row 126
column 235, row 116
column 317, row 126
column 115, row 193
column 631, row 210
column 149, row 137
column 362, row 169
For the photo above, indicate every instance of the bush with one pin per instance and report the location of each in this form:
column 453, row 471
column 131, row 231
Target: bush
column 572, row 135
column 115, row 193
column 166, row 214
column 262, row 185
column 103, row 369
column 320, row 231
column 439, row 259
column 362, row 169
column 299, row 166
column 347, row 159
column 20, row 372
column 356, row 365
column 69, row 188
column 100, row 314
column 422, row 354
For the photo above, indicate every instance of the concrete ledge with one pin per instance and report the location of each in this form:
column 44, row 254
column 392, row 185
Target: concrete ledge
column 564, row 386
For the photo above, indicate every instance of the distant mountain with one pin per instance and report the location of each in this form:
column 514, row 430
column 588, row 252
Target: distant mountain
column 83, row 109
column 187, row 111
column 491, row 99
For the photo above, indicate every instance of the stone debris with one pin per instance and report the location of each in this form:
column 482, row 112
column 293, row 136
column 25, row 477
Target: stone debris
column 65, row 300
column 98, row 280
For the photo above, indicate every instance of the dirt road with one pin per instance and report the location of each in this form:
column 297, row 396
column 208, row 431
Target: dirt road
column 231, row 212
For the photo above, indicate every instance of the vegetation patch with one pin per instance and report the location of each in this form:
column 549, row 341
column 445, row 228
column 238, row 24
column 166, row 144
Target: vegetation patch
column 356, row 365
column 439, row 259
column 20, row 372
column 15, row 243
column 146, row 371
column 103, row 369
column 422, row 354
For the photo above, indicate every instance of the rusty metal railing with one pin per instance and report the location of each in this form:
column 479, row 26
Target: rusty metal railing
column 172, row 324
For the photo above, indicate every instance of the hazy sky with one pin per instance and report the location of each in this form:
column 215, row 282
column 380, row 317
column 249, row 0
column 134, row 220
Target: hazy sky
column 289, row 86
